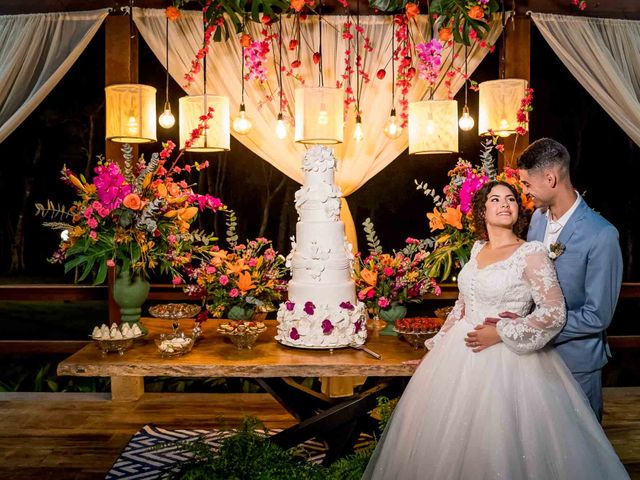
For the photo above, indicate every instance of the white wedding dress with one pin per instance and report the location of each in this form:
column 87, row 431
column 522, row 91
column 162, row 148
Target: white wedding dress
column 512, row 411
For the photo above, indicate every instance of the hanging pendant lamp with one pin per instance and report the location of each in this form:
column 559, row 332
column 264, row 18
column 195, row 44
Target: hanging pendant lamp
column 433, row 127
column 217, row 136
column 130, row 107
column 319, row 111
column 499, row 105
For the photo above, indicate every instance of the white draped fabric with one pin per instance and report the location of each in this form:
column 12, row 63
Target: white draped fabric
column 358, row 161
column 36, row 51
column 604, row 56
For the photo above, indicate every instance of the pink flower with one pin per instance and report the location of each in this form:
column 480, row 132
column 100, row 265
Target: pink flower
column 93, row 235
column 234, row 292
column 362, row 295
column 327, row 326
column 294, row 334
column 176, row 280
column 210, row 269
column 383, row 302
column 111, row 263
column 88, row 212
column 411, row 240
column 290, row 306
column 437, row 290
column 111, row 186
column 388, row 271
column 172, row 239
column 92, row 222
column 470, row 186
column 224, row 280
column 253, row 262
column 309, row 308
column 371, row 293
column 269, row 254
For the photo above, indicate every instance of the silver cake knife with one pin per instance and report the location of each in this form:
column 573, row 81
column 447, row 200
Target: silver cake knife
column 375, row 355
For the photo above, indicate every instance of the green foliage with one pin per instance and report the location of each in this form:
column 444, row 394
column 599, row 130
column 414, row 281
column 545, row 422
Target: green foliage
column 246, row 455
column 486, row 157
column 232, row 225
column 373, row 242
column 452, row 251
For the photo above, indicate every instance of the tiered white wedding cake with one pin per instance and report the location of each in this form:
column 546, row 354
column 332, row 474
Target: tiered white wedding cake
column 322, row 310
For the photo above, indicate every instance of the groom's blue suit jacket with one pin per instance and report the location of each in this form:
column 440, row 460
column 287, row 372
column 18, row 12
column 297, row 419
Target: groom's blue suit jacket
column 590, row 275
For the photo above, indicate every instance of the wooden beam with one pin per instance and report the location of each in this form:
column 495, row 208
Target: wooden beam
column 121, row 66
column 629, row 9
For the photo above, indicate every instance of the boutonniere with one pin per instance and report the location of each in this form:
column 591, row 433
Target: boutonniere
column 555, row 250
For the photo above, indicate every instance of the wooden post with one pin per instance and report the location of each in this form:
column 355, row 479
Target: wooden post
column 126, row 389
column 517, row 65
column 121, row 66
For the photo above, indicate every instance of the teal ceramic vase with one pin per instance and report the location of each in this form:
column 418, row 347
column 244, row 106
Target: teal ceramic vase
column 130, row 293
column 393, row 313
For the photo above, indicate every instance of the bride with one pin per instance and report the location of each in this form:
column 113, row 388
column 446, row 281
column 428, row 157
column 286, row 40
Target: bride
column 508, row 411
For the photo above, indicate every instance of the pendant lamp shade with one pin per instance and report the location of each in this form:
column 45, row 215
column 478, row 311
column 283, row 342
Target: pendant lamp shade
column 216, row 138
column 319, row 115
column 433, row 127
column 131, row 113
column 499, row 105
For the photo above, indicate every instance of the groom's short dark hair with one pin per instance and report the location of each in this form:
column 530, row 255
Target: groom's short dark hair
column 545, row 153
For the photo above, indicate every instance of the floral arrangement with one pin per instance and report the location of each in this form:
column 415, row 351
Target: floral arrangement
column 399, row 277
column 136, row 218
column 451, row 220
column 236, row 281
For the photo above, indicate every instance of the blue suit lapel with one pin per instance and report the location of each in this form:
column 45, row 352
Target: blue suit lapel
column 572, row 224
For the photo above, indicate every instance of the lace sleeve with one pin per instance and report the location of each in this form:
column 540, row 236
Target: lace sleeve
column 456, row 314
column 530, row 333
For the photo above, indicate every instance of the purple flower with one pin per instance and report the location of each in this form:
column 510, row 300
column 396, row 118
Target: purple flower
column 327, row 326
column 358, row 325
column 309, row 308
column 347, row 306
column 294, row 334
column 290, row 306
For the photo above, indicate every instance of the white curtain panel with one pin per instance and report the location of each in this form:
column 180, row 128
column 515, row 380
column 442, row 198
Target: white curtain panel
column 604, row 56
column 36, row 51
column 357, row 161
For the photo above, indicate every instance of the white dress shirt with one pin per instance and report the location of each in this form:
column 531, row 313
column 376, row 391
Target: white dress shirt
column 554, row 227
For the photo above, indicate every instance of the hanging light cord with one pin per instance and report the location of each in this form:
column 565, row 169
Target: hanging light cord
column 204, row 60
column 320, row 77
column 280, row 64
column 131, row 41
column 358, row 59
column 503, row 50
column 393, row 68
column 242, row 61
column 166, row 91
column 466, row 75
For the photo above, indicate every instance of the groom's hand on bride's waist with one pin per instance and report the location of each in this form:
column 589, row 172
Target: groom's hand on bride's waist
column 493, row 321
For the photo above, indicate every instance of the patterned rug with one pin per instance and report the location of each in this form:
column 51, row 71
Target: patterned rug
column 147, row 457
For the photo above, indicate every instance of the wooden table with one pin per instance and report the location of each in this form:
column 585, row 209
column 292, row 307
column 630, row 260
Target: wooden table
column 339, row 421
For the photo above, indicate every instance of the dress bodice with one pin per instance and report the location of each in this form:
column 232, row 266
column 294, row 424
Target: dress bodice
column 524, row 284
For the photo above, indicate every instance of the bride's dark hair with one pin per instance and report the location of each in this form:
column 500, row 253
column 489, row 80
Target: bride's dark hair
column 479, row 209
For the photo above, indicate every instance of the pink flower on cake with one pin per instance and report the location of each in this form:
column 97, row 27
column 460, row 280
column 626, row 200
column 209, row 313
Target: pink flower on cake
column 294, row 334
column 234, row 292
column 309, row 308
column 347, row 305
column 383, row 302
column 289, row 306
column 327, row 326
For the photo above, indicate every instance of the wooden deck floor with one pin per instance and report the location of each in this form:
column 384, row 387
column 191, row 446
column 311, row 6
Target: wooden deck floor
column 79, row 436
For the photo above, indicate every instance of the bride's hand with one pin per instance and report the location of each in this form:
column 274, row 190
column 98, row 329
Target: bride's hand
column 482, row 337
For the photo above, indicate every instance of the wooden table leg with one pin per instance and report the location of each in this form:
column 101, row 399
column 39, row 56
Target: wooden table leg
column 126, row 389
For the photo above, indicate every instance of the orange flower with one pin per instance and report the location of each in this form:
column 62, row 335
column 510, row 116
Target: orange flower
column 172, row 13
column 245, row 283
column 297, row 5
column 369, row 277
column 236, row 268
column 453, row 217
column 412, row 10
column 476, row 12
column 445, row 34
column 245, row 40
column 436, row 222
column 132, row 201
column 174, row 189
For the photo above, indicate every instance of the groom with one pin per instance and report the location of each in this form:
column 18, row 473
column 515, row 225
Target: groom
column 587, row 257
